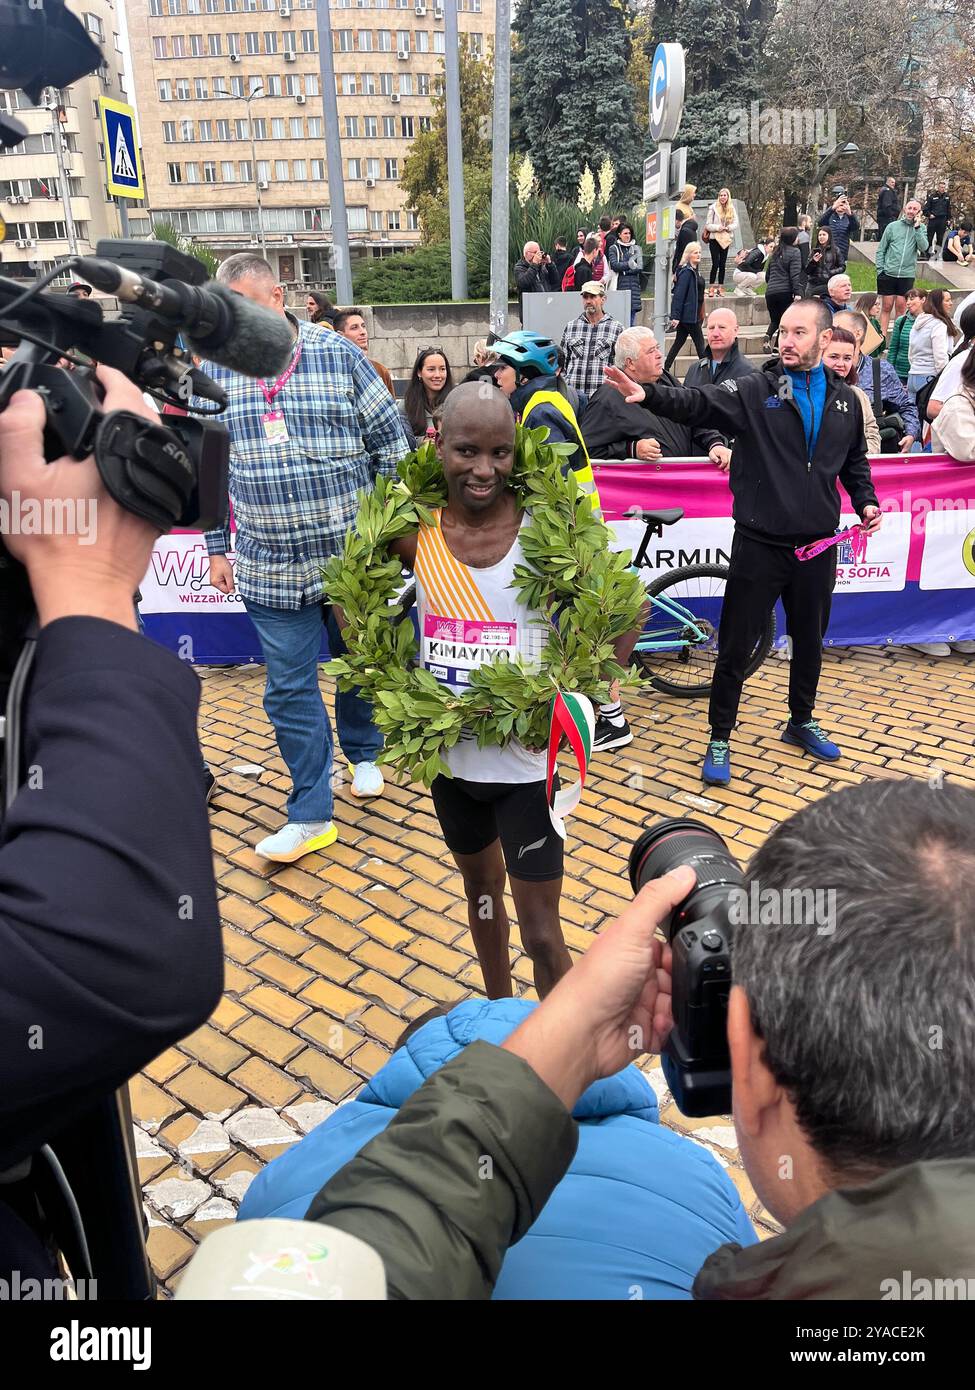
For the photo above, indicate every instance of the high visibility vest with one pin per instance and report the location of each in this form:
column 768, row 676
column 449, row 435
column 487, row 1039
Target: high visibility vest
column 584, row 476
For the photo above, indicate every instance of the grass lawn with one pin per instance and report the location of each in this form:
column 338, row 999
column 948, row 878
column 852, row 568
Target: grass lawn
column 864, row 277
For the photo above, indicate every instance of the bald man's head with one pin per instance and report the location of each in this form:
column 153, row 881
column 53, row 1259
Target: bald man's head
column 722, row 330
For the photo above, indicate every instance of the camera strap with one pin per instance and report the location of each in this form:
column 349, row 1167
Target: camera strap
column 145, row 467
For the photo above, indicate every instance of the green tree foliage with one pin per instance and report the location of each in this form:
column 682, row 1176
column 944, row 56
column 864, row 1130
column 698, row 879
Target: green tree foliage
column 165, row 231
column 414, row 277
column 424, row 178
column 571, row 102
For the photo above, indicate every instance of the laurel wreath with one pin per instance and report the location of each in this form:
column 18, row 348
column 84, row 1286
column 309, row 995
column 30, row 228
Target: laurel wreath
column 586, row 592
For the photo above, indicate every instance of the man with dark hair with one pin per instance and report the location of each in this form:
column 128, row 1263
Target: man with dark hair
column 351, row 323
column 852, row 1105
column 888, row 205
column 937, row 210
column 798, row 430
column 562, row 258
column 304, row 447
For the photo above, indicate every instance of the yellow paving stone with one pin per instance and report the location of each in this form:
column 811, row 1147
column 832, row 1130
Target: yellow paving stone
column 246, row 885
column 380, row 958
column 227, row 1015
column 240, row 948
column 340, row 1002
column 204, row 1092
column 296, row 881
column 344, row 905
column 430, row 924
column 214, row 1050
column 284, row 939
column 278, row 1007
column 283, row 972
column 168, row 1249
column 235, row 980
column 376, row 986
column 266, row 1083
column 386, row 1026
column 288, row 909
column 329, row 929
column 428, row 981
column 164, row 1066
column 369, row 1059
column 240, row 913
column 331, row 964
column 268, row 1039
column 389, row 933
column 326, row 1032
column 323, row 1074
column 436, row 954
column 151, row 1106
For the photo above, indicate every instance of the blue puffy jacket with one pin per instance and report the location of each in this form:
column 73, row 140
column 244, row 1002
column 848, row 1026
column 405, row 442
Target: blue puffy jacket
column 636, row 1215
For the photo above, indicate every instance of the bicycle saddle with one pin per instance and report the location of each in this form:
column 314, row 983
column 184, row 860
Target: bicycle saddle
column 666, row 517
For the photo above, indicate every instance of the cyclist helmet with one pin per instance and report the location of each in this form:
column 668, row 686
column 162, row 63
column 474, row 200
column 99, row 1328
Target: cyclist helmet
column 530, row 354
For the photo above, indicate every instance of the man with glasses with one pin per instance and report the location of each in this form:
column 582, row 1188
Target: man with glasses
column 589, row 341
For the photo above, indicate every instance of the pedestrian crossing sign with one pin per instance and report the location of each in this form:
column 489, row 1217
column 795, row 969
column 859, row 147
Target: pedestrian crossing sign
column 123, row 164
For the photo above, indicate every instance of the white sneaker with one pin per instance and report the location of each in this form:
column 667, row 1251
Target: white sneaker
column 367, row 780
column 930, row 648
column 296, row 839
column 965, row 647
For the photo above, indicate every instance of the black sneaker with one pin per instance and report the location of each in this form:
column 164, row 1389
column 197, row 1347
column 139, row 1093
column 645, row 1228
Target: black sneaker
column 209, row 785
column 610, row 735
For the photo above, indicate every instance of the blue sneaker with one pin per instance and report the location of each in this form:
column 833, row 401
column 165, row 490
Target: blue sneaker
column 811, row 737
column 717, row 763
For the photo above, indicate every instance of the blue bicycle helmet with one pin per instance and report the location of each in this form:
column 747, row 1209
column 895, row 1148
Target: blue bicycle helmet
column 530, row 354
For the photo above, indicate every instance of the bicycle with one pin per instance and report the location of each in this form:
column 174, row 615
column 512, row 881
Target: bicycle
column 679, row 645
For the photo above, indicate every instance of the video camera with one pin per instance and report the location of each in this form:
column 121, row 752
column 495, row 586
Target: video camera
column 695, row 1058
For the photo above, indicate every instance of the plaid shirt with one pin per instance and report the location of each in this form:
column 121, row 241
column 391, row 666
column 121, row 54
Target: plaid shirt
column 294, row 501
column 589, row 348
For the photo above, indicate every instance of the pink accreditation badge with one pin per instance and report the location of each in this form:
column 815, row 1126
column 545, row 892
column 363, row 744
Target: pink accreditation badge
column 275, row 428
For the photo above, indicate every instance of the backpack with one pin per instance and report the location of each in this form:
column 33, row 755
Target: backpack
column 927, row 391
column 892, row 427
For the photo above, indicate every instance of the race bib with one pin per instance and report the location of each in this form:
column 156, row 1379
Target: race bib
column 454, row 647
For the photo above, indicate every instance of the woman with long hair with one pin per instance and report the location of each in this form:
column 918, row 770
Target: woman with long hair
column 783, row 277
column 953, row 431
column 685, row 307
column 932, row 336
column 841, row 357
column 430, row 385
column 626, row 262
column 822, row 263
column 720, row 224
column 320, row 308
column 866, row 304
column 898, row 354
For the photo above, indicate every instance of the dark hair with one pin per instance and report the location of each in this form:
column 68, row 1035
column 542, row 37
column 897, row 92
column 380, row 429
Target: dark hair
column 865, row 303
column 964, row 226
column 824, row 318
column 787, row 237
column 626, row 227
column 415, row 403
column 591, row 243
column 438, row 1011
column 968, row 370
column 850, row 1010
column 488, row 373
column 560, row 242
column 326, row 309
column 967, row 321
column 934, row 305
column 605, row 222
column 915, row 293
column 342, row 317
column 829, row 239
column 843, row 335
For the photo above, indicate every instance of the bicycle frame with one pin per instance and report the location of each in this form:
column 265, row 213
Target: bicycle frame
column 681, row 615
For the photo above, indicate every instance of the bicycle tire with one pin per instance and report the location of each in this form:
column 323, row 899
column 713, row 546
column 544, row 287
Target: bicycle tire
column 688, row 691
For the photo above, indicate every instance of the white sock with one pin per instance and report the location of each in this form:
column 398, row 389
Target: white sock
column 613, row 712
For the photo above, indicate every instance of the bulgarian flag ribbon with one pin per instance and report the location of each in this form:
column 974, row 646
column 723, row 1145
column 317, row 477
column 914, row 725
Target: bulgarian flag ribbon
column 572, row 715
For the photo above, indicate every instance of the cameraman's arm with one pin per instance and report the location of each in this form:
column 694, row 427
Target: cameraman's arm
column 109, row 930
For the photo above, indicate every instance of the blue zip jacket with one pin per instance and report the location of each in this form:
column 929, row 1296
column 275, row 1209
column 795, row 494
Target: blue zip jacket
column 636, row 1215
column 684, row 305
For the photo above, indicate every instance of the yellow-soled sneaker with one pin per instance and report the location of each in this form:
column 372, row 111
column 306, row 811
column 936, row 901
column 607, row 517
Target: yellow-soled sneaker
column 296, row 839
column 367, row 780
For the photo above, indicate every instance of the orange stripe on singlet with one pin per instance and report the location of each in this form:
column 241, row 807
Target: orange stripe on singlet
column 443, row 575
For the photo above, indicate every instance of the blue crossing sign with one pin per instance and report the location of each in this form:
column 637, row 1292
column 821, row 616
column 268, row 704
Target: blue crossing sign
column 123, row 164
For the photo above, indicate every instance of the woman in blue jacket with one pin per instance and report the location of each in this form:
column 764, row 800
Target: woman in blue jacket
column 685, row 307
column 635, row 1216
column 626, row 263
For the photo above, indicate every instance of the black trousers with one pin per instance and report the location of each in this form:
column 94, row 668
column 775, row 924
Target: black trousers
column 776, row 305
column 719, row 259
column 685, row 331
column 759, row 575
column 936, row 232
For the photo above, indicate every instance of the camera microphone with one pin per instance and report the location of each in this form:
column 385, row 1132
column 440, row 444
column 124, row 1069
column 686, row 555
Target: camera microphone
column 221, row 326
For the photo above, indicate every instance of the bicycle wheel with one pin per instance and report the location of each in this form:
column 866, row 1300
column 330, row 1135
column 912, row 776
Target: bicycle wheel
column 679, row 646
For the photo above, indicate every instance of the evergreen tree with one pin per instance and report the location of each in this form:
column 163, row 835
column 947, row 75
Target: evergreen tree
column 571, row 102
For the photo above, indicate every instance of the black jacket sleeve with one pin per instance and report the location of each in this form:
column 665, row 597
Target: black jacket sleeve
column 109, row 930
column 720, row 407
column 458, row 1175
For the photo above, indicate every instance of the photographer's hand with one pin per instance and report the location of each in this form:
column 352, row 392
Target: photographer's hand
column 95, row 570
column 613, row 1005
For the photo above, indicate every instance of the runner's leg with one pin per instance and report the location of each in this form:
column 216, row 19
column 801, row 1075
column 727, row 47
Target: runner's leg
column 483, row 876
column 537, row 906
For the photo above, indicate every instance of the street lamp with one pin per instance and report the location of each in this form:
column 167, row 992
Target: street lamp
column 256, row 91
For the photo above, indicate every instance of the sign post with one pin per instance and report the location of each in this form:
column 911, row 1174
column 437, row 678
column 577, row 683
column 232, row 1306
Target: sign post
column 123, row 162
column 666, row 109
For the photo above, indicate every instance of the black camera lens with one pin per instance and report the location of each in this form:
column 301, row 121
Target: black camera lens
column 670, row 843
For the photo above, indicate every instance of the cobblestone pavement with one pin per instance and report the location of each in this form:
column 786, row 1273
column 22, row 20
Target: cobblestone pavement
column 328, row 960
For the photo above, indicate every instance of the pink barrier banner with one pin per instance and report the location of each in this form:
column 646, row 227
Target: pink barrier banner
column 914, row 583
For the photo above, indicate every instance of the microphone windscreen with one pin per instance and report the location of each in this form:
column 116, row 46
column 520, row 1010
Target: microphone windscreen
column 259, row 342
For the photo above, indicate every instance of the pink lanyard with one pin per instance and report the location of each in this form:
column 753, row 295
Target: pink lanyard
column 283, row 379
column 854, row 534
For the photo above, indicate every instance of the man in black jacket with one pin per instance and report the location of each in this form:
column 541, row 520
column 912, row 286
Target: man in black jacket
column 109, row 929
column 888, row 205
column 937, row 209
column 723, row 359
column 534, row 274
column 798, row 428
column 614, row 430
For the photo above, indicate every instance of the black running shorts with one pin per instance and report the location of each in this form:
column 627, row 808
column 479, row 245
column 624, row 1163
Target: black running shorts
column 473, row 815
column 896, row 285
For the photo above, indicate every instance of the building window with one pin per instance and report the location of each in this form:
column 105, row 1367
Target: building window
column 391, row 168
column 389, row 127
column 438, row 42
column 159, row 47
column 252, row 41
column 372, row 168
column 206, row 129
column 354, row 167
column 344, row 40
column 375, row 221
column 406, row 84
column 223, row 130
column 253, row 85
column 200, row 88
column 352, row 127
column 300, row 171
column 402, row 41
column 156, row 8
column 164, row 89
column 318, row 170
column 231, row 6
column 272, row 85
column 412, row 222
column 175, row 173
column 357, row 219
column 297, row 128
column 270, row 41
column 277, row 128
column 182, row 89
column 477, row 45
column 228, row 171
column 423, row 84
column 370, row 127
column 233, row 43
column 392, row 221
column 384, row 40
column 196, row 45
column 422, row 41
column 175, row 6
column 314, row 127
column 211, row 6
column 169, row 132
column 246, row 171
column 348, row 84
column 209, row 171
column 192, row 173
column 215, row 45
column 406, row 128
column 281, row 171
column 292, row 84
column 386, row 84
column 308, row 40
column 365, row 40
column 179, row 46
column 260, row 128
column 426, row 124
column 311, row 85
column 263, row 171
column 94, row 26
column 241, row 129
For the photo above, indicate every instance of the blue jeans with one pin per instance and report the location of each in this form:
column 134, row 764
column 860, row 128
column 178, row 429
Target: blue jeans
column 290, row 640
column 916, row 380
